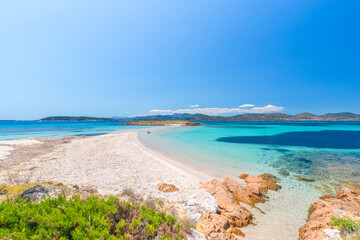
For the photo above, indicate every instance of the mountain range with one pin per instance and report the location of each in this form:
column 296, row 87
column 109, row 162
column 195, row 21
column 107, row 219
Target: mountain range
column 344, row 116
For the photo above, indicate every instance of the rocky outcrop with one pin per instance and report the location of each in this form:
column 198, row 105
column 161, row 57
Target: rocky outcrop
column 190, row 124
column 318, row 227
column 167, row 188
column 228, row 195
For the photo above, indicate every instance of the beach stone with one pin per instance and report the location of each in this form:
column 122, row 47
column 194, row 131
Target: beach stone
column 36, row 193
column 318, row 226
column 305, row 179
column 167, row 188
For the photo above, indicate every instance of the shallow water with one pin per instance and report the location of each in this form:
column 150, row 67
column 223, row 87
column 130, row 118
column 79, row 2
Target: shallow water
column 10, row 130
column 326, row 151
column 329, row 153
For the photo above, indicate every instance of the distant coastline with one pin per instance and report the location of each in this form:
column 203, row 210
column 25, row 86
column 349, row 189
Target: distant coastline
column 343, row 116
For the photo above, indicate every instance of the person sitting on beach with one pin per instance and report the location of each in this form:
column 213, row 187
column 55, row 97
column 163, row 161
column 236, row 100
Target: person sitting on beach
column 148, row 131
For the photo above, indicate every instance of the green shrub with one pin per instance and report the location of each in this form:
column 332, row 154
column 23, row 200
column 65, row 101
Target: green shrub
column 345, row 225
column 91, row 218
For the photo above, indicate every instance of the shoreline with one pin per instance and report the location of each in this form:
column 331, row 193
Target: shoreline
column 115, row 161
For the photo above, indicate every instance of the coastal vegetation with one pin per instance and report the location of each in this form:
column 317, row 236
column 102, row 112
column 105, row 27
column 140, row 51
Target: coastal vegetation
column 347, row 226
column 80, row 216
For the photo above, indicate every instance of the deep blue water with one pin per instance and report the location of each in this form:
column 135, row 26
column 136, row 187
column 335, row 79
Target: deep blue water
column 336, row 139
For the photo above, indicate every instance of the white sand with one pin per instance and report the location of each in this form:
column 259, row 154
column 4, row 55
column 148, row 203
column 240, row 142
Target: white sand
column 5, row 151
column 111, row 163
column 6, row 146
column 23, row 142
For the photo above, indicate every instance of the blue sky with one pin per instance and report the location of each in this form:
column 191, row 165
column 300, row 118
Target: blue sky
column 123, row 58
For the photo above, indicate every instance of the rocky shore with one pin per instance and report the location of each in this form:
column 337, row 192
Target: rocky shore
column 322, row 212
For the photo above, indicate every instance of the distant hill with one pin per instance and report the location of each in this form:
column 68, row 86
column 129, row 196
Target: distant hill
column 345, row 116
column 81, row 118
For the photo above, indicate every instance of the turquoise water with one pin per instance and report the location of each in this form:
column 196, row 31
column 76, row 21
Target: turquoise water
column 35, row 129
column 328, row 152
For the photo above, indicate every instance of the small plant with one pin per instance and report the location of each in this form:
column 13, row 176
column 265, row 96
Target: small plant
column 345, row 225
column 128, row 192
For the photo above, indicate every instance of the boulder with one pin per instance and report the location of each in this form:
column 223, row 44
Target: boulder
column 167, row 188
column 273, row 186
column 215, row 226
column 229, row 207
column 36, row 193
column 253, row 179
column 239, row 192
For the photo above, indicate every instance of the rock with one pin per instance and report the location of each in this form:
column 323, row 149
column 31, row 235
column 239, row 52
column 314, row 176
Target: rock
column 36, row 193
column 318, row 226
column 243, row 176
column 255, row 193
column 90, row 190
column 237, row 214
column 239, row 193
column 284, row 173
column 237, row 232
column 215, row 226
column 305, row 179
column 190, row 124
column 195, row 235
column 273, row 186
column 167, row 188
column 253, row 179
column 269, row 177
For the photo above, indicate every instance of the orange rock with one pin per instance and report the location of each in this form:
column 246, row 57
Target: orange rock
column 237, row 232
column 239, row 193
column 215, row 226
column 273, row 186
column 164, row 187
column 347, row 203
column 269, row 177
column 228, row 205
column 243, row 176
column 254, row 192
column 253, row 179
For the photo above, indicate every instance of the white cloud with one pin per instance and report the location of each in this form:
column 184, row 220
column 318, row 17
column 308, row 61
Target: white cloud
column 246, row 105
column 194, row 106
column 221, row 111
